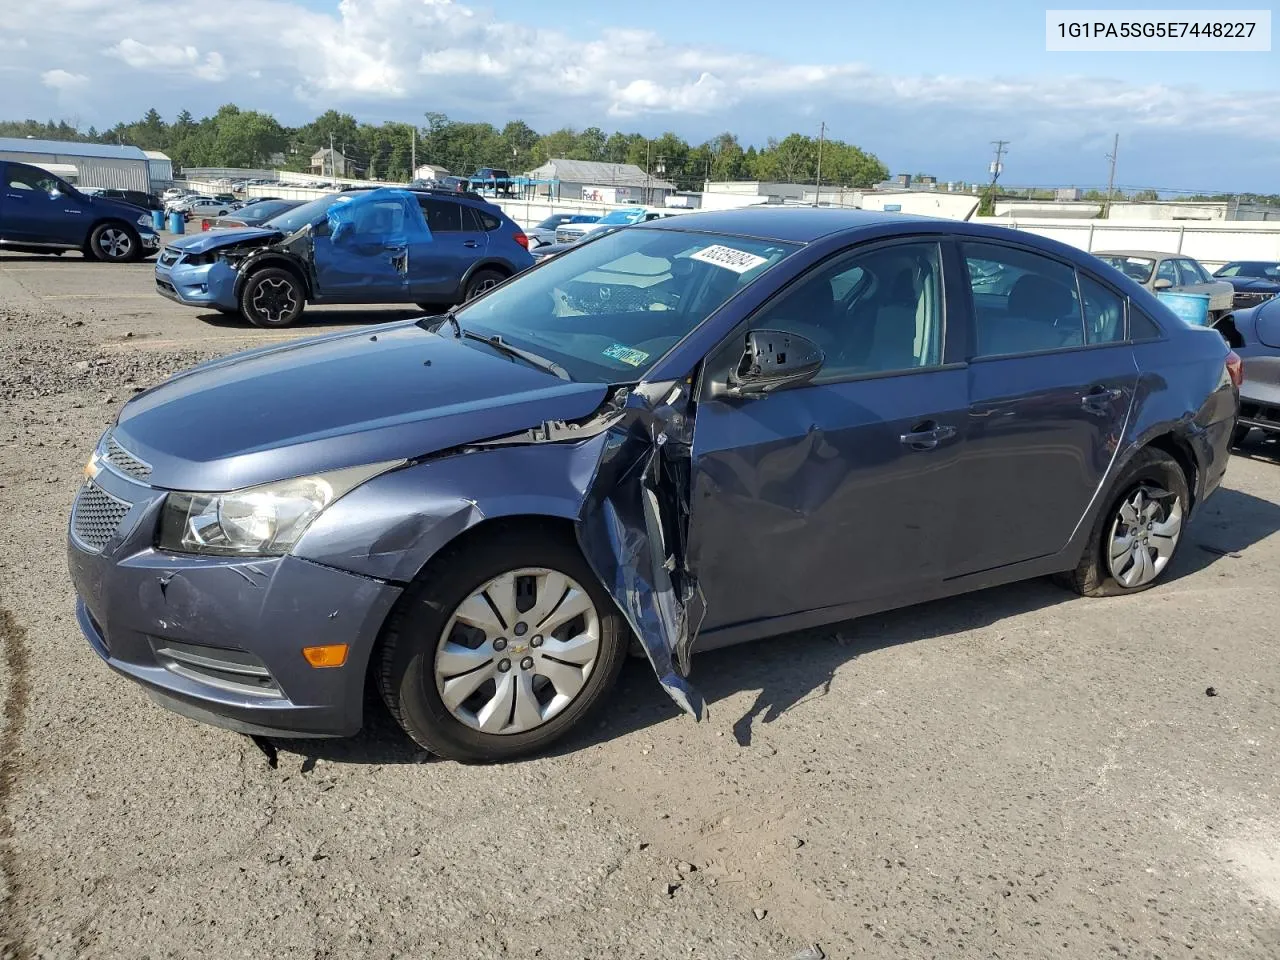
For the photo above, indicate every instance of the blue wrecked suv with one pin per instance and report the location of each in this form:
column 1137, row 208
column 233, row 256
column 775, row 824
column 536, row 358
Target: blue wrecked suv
column 432, row 248
column 680, row 435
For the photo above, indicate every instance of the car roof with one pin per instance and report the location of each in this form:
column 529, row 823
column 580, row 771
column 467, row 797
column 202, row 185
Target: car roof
column 795, row 224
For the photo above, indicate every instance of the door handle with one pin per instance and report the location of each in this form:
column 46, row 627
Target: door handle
column 1099, row 397
column 927, row 435
column 470, row 243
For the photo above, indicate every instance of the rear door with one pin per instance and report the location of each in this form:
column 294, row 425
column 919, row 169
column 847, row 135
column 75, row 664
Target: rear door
column 40, row 208
column 438, row 264
column 1051, row 382
column 841, row 489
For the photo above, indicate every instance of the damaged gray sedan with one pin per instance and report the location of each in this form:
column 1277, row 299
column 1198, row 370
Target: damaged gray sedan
column 697, row 432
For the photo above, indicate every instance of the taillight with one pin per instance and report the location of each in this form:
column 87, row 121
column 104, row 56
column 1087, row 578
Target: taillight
column 1235, row 368
column 521, row 239
column 204, row 224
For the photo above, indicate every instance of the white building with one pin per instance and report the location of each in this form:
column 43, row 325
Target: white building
column 430, row 171
column 599, row 181
column 95, row 164
column 160, row 169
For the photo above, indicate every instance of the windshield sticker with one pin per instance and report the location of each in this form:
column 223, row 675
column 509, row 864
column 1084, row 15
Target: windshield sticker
column 739, row 261
column 632, row 358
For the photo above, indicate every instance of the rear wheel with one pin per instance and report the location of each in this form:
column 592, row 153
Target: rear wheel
column 272, row 297
column 1136, row 537
column 114, row 243
column 482, row 280
column 500, row 649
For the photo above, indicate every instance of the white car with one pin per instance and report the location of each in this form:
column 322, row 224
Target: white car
column 182, row 204
column 207, row 207
column 173, row 193
column 623, row 216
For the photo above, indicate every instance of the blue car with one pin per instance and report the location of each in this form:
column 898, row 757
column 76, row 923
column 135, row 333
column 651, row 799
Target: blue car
column 42, row 213
column 688, row 433
column 431, row 248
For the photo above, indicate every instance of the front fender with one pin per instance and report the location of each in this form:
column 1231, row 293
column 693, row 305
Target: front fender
column 391, row 526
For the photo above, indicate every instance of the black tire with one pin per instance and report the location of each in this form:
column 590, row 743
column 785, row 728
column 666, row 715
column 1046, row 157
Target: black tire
column 1151, row 468
column 482, row 280
column 1239, row 433
column 273, row 297
column 405, row 668
column 115, row 242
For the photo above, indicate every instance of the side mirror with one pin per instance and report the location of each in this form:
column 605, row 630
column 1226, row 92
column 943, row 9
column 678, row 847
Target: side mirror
column 1162, row 284
column 773, row 359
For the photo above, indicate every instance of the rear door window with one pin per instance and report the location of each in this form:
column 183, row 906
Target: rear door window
column 1103, row 312
column 1023, row 302
column 442, row 216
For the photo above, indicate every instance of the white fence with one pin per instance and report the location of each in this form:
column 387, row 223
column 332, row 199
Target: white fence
column 1213, row 243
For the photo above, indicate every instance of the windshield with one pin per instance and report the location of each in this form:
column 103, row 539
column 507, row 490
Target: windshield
column 266, row 210
column 608, row 310
column 299, row 217
column 622, row 216
column 1135, row 268
column 553, row 221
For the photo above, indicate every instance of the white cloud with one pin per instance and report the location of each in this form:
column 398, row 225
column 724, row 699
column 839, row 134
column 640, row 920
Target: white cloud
column 62, row 80
column 396, row 58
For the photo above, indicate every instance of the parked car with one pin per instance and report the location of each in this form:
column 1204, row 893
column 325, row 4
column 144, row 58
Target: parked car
column 478, row 512
column 137, row 198
column 42, row 213
column 1254, row 281
column 547, row 251
column 432, row 248
column 545, row 232
column 174, row 193
column 183, row 204
column 493, row 178
column 204, row 207
column 1168, row 271
column 1254, row 334
column 623, row 216
column 251, row 215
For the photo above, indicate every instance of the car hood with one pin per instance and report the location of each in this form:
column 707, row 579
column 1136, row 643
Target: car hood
column 1258, row 284
column 214, row 239
column 122, row 209
column 389, row 392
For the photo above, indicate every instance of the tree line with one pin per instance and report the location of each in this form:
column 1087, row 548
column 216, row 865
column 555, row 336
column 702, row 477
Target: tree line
column 233, row 137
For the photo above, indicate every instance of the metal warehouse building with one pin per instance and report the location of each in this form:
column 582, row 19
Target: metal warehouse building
column 600, row 181
column 96, row 164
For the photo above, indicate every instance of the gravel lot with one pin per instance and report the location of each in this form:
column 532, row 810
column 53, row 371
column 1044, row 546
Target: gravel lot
column 1017, row 773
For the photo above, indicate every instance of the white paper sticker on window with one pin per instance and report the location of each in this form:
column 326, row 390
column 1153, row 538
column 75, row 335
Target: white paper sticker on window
column 739, row 261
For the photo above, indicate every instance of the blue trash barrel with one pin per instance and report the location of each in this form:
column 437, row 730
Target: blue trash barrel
column 176, row 223
column 1192, row 308
column 157, row 219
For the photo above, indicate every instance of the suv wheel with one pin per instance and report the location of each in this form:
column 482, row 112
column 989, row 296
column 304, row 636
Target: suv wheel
column 501, row 649
column 114, row 243
column 272, row 297
column 482, row 280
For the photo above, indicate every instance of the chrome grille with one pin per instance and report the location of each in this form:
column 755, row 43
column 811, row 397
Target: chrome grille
column 567, row 236
column 96, row 516
column 125, row 462
column 1251, row 298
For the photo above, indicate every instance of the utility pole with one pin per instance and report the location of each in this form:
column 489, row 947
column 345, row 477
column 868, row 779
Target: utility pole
column 648, row 179
column 997, row 167
column 413, row 151
column 1111, row 179
column 822, row 133
column 331, row 154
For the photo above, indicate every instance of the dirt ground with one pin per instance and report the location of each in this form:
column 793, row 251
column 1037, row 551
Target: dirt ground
column 1017, row 773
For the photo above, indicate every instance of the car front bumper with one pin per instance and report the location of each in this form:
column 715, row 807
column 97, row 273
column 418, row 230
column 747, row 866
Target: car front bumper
column 220, row 639
column 1260, row 392
column 202, row 285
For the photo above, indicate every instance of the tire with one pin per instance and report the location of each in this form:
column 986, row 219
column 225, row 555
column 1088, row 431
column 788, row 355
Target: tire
column 415, row 635
column 1239, row 433
column 1151, row 471
column 272, row 298
column 115, row 243
column 481, row 281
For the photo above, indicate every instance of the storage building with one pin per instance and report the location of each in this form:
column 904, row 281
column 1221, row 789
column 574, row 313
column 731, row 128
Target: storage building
column 96, row 164
column 160, row 169
column 599, row 181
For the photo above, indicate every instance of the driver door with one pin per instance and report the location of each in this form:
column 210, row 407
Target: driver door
column 39, row 208
column 838, row 490
column 363, row 257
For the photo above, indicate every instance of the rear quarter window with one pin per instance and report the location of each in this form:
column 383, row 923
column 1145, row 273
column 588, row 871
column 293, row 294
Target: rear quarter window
column 1141, row 326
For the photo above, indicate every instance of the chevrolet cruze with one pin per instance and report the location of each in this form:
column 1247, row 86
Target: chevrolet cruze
column 689, row 433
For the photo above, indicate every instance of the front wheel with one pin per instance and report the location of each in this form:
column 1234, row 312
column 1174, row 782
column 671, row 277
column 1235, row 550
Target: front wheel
column 1136, row 537
column 114, row 243
column 272, row 297
column 501, row 648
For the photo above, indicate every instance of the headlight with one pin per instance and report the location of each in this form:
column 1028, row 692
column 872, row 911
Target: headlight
column 144, row 220
column 264, row 521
